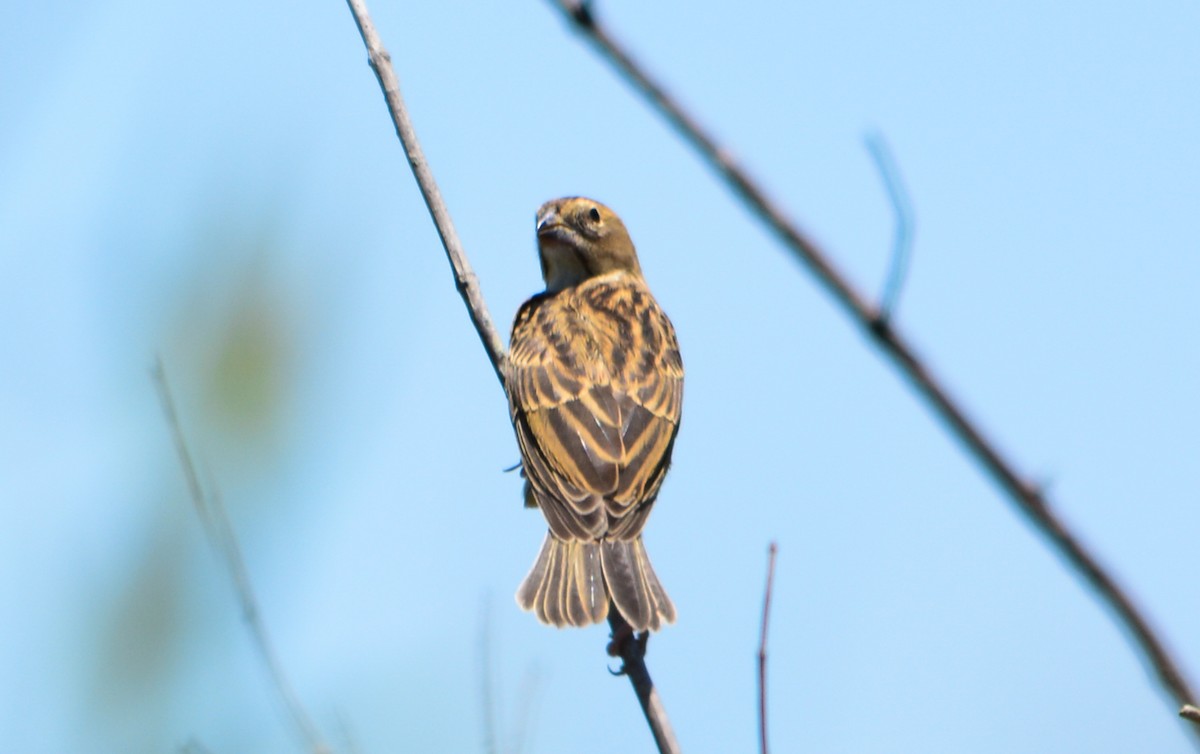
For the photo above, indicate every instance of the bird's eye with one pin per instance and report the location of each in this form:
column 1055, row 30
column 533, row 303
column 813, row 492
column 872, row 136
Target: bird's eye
column 594, row 215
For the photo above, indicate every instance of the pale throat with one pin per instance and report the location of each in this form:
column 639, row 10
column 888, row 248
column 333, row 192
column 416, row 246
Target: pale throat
column 562, row 266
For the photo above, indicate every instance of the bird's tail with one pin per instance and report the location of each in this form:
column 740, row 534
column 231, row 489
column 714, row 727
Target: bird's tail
column 634, row 588
column 565, row 587
column 571, row 581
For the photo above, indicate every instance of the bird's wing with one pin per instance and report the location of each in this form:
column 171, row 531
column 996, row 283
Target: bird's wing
column 595, row 388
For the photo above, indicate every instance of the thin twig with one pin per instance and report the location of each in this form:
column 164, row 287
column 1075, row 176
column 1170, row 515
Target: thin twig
column 464, row 276
column 631, row 648
column 762, row 651
column 902, row 236
column 1027, row 497
column 1190, row 713
column 634, row 660
column 487, row 690
column 222, row 537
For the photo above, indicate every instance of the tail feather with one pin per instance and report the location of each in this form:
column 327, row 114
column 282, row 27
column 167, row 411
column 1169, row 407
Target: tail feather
column 633, row 585
column 565, row 587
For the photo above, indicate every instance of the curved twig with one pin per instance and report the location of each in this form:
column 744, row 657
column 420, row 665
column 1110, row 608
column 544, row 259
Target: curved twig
column 902, row 235
column 634, row 664
column 1028, row 498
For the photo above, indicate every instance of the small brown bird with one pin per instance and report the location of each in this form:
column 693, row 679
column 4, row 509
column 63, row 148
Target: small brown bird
column 595, row 389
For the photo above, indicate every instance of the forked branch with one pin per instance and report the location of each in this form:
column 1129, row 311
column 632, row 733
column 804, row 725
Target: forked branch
column 902, row 236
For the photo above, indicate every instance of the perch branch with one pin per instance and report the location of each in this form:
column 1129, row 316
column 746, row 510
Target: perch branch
column 631, row 649
column 1027, row 497
column 634, row 661
column 1190, row 713
column 221, row 536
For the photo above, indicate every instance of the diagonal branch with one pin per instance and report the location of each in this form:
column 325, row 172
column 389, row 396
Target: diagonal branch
column 464, row 276
column 221, row 535
column 468, row 287
column 1027, row 497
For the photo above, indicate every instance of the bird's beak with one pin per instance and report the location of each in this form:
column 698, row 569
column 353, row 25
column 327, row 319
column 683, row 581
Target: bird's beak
column 547, row 221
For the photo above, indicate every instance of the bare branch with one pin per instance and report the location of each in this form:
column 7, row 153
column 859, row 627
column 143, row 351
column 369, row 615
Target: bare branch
column 1027, row 497
column 631, row 648
column 221, row 536
column 903, row 234
column 1190, row 713
column 762, row 651
column 464, row 276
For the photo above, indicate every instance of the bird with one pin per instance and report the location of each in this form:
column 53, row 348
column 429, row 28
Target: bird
column 595, row 390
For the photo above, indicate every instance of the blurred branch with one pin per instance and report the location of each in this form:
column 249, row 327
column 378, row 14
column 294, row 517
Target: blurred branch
column 464, row 276
column 489, row 700
column 631, row 649
column 195, row 746
column 1028, row 498
column 903, row 234
column 525, row 697
column 762, row 651
column 221, row 536
column 349, row 741
column 488, row 696
column 1190, row 713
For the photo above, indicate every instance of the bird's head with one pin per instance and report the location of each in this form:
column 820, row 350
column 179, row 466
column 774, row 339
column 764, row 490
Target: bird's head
column 580, row 238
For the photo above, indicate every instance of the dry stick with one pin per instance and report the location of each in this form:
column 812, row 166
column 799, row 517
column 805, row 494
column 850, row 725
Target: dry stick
column 468, row 287
column 762, row 651
column 1028, row 498
column 221, row 535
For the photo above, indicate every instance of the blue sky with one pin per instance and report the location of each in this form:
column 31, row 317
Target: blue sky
column 174, row 177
